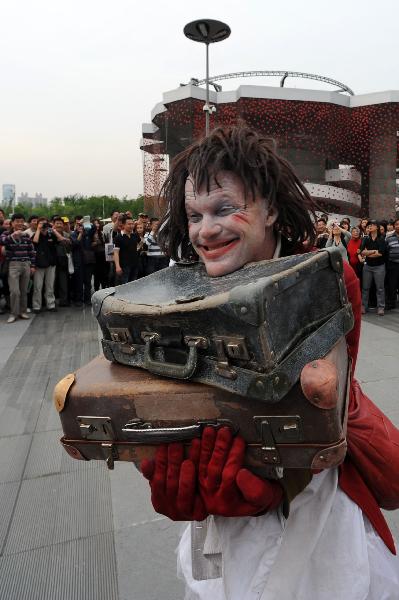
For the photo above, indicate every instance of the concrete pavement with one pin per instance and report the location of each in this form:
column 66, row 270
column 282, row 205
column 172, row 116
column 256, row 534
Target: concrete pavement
column 71, row 530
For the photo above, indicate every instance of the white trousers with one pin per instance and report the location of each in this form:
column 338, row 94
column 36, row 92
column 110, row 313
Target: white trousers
column 325, row 550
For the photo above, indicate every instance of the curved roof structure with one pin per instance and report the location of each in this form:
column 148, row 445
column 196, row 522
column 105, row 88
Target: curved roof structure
column 283, row 74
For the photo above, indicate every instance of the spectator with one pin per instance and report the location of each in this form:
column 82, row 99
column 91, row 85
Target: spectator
column 145, row 220
column 125, row 252
column 355, row 259
column 101, row 265
column 390, row 227
column 141, row 249
column 345, row 224
column 44, row 241
column 83, row 261
column 63, row 251
column 32, row 222
column 373, row 249
column 2, row 217
column 362, row 226
column 383, row 228
column 392, row 245
column 110, row 228
column 156, row 259
column 21, row 255
column 338, row 238
column 322, row 233
column 3, row 269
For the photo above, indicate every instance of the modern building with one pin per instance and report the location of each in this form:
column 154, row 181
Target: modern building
column 343, row 146
column 8, row 194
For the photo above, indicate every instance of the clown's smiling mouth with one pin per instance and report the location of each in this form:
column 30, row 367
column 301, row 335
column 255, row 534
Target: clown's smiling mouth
column 218, row 246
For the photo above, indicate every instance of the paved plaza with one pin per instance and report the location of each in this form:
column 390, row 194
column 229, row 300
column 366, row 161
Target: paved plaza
column 71, row 530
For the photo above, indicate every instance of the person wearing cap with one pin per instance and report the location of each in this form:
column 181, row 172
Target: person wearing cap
column 373, row 249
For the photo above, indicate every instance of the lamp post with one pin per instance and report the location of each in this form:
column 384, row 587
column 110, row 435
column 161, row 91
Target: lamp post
column 207, row 31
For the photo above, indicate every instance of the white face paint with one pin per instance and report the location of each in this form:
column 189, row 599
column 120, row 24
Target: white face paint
column 227, row 230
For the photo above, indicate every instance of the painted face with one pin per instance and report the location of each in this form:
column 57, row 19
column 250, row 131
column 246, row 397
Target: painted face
column 226, row 229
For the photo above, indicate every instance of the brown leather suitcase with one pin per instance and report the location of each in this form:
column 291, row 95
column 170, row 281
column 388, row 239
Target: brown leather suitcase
column 113, row 412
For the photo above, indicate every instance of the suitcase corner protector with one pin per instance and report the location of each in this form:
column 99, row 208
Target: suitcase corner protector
column 61, row 391
column 330, row 457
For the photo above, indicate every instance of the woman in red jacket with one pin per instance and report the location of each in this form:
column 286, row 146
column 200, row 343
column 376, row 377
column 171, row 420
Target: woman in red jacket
column 232, row 200
column 353, row 248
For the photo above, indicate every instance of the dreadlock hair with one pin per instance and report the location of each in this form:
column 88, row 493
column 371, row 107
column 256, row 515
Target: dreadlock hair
column 253, row 158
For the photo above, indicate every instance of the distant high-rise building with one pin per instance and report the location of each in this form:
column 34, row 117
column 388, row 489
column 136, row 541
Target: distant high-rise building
column 36, row 200
column 8, row 194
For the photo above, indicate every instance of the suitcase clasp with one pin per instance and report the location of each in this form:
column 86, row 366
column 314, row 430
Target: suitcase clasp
column 96, row 428
column 275, row 430
column 110, row 452
column 229, row 347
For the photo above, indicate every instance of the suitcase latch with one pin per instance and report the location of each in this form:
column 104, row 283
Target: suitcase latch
column 123, row 337
column 96, row 428
column 110, row 452
column 275, row 430
column 233, row 347
column 120, row 334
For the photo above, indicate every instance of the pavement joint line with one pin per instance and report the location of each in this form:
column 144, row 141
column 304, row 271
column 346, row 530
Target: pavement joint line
column 59, row 473
column 77, row 539
column 139, row 523
column 376, row 380
column 22, row 476
column 13, row 435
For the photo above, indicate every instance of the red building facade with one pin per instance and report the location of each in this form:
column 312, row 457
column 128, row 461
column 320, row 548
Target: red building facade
column 344, row 148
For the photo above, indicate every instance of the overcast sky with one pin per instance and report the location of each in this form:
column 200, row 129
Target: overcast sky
column 79, row 77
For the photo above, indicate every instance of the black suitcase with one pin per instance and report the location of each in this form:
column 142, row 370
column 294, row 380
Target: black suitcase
column 250, row 332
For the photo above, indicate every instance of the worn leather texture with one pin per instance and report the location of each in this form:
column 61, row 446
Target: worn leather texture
column 250, row 332
column 140, row 405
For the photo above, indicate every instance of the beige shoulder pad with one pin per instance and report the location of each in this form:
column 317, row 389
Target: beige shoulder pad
column 61, row 390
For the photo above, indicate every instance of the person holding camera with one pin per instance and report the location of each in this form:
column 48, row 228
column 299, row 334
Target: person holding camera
column 45, row 241
column 21, row 256
column 63, row 251
column 84, row 260
column 339, row 238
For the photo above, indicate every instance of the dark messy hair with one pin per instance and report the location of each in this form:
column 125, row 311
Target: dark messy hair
column 250, row 155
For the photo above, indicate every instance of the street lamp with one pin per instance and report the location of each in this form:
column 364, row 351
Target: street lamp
column 207, row 31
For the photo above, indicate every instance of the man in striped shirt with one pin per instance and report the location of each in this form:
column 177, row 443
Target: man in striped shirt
column 21, row 256
column 156, row 259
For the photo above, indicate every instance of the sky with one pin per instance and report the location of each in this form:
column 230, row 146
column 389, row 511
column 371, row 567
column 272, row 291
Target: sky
column 79, row 77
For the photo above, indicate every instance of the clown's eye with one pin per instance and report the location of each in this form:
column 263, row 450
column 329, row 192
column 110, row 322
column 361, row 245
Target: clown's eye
column 226, row 209
column 194, row 218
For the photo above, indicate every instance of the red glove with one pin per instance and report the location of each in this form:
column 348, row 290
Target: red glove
column 226, row 488
column 173, row 483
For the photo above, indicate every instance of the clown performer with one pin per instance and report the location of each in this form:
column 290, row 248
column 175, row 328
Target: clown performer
column 232, row 200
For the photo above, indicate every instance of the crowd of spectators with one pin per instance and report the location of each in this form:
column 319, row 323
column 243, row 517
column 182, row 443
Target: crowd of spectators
column 50, row 263
column 372, row 249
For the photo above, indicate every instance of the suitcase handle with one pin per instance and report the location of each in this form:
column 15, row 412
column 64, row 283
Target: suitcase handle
column 142, row 432
column 168, row 369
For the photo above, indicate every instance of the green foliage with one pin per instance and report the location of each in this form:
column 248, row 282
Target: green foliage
column 95, row 206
